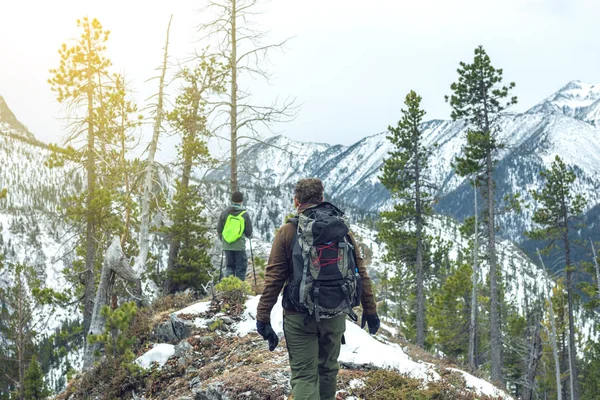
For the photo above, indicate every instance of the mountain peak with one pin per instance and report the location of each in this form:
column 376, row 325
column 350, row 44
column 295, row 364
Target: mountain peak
column 573, row 100
column 10, row 124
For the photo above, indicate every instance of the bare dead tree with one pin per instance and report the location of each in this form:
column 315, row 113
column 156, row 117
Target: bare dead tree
column 149, row 171
column 243, row 49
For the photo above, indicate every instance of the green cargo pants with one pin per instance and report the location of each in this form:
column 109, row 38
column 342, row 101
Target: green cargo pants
column 313, row 350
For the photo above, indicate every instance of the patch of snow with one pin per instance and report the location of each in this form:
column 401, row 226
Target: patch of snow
column 356, row 383
column 481, row 386
column 197, row 308
column 160, row 353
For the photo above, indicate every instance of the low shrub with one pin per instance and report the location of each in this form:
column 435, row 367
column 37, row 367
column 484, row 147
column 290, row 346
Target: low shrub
column 232, row 290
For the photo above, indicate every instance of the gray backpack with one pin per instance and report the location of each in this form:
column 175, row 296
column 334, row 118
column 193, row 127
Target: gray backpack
column 324, row 280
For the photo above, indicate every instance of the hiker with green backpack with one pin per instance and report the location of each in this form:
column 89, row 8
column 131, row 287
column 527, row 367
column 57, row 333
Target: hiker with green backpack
column 234, row 227
column 315, row 260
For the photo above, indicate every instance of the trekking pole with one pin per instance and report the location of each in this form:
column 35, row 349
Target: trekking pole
column 253, row 268
column 221, row 269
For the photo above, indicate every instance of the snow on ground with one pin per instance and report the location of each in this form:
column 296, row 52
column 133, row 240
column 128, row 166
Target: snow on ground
column 160, row 353
column 196, row 309
column 479, row 385
column 362, row 348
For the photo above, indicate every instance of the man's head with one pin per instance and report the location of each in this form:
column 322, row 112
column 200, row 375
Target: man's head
column 237, row 198
column 308, row 191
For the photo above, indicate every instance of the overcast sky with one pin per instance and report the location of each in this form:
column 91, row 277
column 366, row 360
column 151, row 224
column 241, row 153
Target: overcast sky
column 350, row 62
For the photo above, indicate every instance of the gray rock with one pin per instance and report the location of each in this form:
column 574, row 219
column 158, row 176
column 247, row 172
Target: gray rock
column 207, row 340
column 227, row 321
column 181, row 327
column 185, row 398
column 164, row 333
column 183, row 348
column 195, row 382
column 213, row 391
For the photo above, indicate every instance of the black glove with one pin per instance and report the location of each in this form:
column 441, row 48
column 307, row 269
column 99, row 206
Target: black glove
column 264, row 329
column 373, row 320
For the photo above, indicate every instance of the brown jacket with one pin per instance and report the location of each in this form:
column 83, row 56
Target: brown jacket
column 278, row 270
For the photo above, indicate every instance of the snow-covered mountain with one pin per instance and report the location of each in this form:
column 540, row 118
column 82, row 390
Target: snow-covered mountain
column 562, row 124
column 577, row 99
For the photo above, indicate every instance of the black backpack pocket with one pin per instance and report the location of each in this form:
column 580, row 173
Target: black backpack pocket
column 331, row 295
column 291, row 298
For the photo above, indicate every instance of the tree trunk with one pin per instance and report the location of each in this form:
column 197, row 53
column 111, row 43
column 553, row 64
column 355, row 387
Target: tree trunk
column 419, row 228
column 535, row 354
column 140, row 261
column 21, row 338
column 115, row 262
column 474, row 280
column 495, row 334
column 553, row 332
column 90, row 243
column 572, row 346
column 125, row 233
column 595, row 257
column 233, row 95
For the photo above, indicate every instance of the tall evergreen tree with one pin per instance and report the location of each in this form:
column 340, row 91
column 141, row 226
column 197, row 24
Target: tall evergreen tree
column 405, row 175
column 450, row 312
column 78, row 83
column 189, row 118
column 480, row 97
column 557, row 208
column 35, row 387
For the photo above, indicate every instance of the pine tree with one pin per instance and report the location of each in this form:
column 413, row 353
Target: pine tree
column 188, row 242
column 20, row 326
column 35, row 386
column 480, row 97
column 590, row 379
column 78, row 83
column 557, row 207
column 449, row 314
column 405, row 175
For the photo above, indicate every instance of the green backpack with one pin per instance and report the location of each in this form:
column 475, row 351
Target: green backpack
column 234, row 227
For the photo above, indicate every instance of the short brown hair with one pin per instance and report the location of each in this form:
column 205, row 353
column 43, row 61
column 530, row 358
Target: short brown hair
column 309, row 191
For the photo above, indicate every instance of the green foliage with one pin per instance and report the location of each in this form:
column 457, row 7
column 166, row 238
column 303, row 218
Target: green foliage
column 233, row 290
column 389, row 385
column 406, row 176
column 190, row 229
column 34, row 385
column 590, row 379
column 115, row 338
column 558, row 205
column 215, row 325
column 450, row 312
column 479, row 95
column 516, row 347
column 18, row 326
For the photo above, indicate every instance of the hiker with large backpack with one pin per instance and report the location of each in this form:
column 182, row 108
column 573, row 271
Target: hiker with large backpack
column 233, row 228
column 316, row 261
